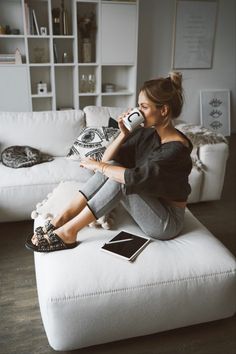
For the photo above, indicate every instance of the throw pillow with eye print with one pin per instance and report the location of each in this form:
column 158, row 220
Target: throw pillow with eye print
column 92, row 142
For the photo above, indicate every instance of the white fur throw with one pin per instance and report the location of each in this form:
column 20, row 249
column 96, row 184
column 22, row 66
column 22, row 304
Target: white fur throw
column 60, row 198
column 199, row 136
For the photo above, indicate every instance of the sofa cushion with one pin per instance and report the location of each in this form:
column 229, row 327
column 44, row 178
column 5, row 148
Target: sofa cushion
column 99, row 116
column 195, row 180
column 92, row 142
column 21, row 189
column 51, row 132
column 101, row 298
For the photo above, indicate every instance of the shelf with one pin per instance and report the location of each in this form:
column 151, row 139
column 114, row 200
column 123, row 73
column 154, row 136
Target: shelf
column 118, row 2
column 37, row 36
column 88, row 94
column 11, row 36
column 87, row 64
column 64, row 64
column 63, row 37
column 11, row 65
column 118, row 93
column 74, row 66
column 42, row 96
column 39, row 64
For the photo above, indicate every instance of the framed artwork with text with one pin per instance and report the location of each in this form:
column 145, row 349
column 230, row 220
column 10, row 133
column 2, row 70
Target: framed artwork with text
column 194, row 34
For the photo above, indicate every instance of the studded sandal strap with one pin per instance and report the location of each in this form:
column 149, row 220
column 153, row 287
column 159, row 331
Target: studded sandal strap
column 49, row 227
column 42, row 240
column 39, row 230
column 50, row 242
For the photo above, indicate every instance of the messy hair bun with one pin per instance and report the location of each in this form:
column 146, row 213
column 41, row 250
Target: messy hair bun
column 167, row 91
column 176, row 79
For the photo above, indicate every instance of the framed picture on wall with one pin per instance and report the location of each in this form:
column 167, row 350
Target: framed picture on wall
column 194, row 33
column 215, row 110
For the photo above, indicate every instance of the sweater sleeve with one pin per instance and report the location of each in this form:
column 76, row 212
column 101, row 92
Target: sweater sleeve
column 126, row 153
column 141, row 178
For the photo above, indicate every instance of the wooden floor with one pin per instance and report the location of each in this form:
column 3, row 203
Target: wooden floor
column 21, row 329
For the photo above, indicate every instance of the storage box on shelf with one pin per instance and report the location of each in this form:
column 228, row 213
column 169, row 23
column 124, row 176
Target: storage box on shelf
column 69, row 41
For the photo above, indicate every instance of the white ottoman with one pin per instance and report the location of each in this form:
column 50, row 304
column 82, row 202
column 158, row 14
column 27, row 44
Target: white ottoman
column 89, row 297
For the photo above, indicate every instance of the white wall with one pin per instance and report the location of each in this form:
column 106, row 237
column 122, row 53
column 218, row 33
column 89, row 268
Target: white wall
column 155, row 54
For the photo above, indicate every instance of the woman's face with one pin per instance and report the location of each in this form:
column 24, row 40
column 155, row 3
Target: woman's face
column 152, row 114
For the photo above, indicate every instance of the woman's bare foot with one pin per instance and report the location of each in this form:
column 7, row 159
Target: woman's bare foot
column 76, row 206
column 67, row 235
column 63, row 232
column 54, row 224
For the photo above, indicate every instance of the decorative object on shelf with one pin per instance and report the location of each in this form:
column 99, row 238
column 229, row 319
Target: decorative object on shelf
column 7, row 58
column 18, row 58
column 64, row 19
column 87, row 28
column 56, row 20
column 2, row 29
column 87, row 83
column 215, row 110
column 42, row 88
column 87, row 51
column 65, row 57
column 32, row 26
column 84, row 83
column 7, row 29
column 91, row 83
column 43, row 31
column 55, row 53
column 108, row 87
column 39, row 55
column 15, row 31
column 35, row 22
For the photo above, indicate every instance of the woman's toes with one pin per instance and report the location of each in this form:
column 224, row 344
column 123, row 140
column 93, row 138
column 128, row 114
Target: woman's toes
column 34, row 240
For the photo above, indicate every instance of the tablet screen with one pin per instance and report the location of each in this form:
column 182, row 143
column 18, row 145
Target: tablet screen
column 126, row 245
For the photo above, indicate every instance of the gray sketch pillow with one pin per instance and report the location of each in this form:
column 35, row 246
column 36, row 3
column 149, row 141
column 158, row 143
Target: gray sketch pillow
column 23, row 156
column 92, row 142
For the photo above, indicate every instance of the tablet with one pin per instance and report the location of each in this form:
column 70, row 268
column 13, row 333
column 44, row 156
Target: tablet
column 126, row 245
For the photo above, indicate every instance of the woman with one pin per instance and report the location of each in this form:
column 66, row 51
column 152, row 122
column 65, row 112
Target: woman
column 146, row 170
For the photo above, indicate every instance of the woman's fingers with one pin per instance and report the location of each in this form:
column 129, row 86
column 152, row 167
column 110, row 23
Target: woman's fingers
column 89, row 163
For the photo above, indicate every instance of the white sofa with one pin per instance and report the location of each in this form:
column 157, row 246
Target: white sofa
column 54, row 133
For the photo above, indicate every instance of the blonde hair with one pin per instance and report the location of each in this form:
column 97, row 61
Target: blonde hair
column 167, row 91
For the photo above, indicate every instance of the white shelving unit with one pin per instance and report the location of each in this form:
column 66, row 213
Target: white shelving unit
column 63, row 58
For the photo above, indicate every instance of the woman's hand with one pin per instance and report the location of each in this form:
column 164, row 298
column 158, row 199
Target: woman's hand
column 90, row 163
column 120, row 121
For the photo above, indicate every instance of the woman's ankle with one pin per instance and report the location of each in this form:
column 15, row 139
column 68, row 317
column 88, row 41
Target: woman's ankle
column 66, row 234
column 58, row 221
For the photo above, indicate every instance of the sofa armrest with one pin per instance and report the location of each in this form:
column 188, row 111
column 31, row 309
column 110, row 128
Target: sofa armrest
column 214, row 158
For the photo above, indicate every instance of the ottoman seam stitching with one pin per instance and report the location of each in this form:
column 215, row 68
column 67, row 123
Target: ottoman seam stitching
column 107, row 292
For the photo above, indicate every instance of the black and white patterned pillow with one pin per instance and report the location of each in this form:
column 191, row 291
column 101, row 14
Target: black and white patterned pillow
column 92, row 142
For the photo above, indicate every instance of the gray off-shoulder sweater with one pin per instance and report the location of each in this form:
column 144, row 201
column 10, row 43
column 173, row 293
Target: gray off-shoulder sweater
column 161, row 170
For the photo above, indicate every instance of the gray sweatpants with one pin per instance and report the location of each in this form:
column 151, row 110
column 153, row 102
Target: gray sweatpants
column 156, row 218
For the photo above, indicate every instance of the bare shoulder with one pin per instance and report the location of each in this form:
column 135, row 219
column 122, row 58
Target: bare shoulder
column 181, row 138
column 177, row 136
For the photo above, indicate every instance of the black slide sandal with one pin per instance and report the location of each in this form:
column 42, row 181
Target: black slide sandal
column 50, row 244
